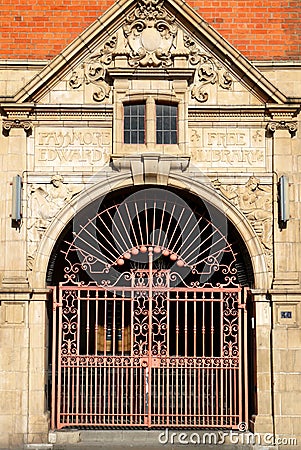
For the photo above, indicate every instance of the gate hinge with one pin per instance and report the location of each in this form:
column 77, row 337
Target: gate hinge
column 56, row 305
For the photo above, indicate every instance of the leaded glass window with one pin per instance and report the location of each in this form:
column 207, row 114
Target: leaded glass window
column 166, row 124
column 134, row 124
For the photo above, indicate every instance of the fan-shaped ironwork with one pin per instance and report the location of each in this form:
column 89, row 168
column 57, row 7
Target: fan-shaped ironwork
column 118, row 240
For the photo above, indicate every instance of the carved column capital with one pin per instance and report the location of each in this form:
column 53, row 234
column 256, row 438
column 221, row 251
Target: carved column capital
column 282, row 125
column 8, row 124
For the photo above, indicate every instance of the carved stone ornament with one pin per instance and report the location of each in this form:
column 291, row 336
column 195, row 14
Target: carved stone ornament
column 8, row 124
column 292, row 127
column 150, row 32
column 255, row 201
column 44, row 202
column 208, row 71
column 93, row 71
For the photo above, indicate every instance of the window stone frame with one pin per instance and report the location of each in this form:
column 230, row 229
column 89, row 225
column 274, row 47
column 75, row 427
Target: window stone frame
column 150, row 98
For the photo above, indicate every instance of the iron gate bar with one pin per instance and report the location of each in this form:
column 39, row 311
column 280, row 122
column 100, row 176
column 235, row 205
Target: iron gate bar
column 53, row 291
column 245, row 355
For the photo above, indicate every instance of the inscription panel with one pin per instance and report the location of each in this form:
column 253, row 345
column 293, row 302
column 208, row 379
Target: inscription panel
column 72, row 147
column 228, row 147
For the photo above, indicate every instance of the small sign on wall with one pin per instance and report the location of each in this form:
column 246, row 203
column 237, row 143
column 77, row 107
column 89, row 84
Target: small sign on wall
column 287, row 314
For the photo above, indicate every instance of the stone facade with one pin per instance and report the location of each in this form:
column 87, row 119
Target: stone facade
column 62, row 133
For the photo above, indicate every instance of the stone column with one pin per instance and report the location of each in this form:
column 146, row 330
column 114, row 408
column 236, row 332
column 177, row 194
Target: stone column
column 14, row 361
column 14, row 296
column 38, row 415
column 287, row 244
column 13, row 239
column 264, row 419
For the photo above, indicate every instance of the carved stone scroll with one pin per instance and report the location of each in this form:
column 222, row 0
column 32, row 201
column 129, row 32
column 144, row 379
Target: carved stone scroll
column 8, row 124
column 292, row 127
column 93, row 71
column 208, row 71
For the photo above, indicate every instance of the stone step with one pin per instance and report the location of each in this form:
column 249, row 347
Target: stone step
column 152, row 439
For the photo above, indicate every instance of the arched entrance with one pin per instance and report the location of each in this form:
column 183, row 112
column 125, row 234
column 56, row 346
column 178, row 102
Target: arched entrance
column 149, row 314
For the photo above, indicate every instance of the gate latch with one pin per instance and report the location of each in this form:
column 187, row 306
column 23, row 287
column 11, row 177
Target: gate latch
column 154, row 361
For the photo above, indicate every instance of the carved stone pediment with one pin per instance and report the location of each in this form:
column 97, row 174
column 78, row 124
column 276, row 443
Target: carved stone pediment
column 148, row 34
column 150, row 37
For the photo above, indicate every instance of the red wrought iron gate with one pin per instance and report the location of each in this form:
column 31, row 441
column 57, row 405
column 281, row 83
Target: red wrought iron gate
column 149, row 326
column 149, row 355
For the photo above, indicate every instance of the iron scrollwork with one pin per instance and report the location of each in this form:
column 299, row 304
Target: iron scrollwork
column 143, row 305
column 69, row 323
column 141, row 324
column 115, row 260
column 230, row 325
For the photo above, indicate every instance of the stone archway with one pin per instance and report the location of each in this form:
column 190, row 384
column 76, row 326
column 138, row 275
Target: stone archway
column 149, row 319
column 177, row 182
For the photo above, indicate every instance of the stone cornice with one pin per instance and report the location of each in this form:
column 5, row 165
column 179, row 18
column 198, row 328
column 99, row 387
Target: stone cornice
column 270, row 112
column 263, row 113
column 274, row 116
column 22, row 112
column 13, row 64
column 37, row 64
column 22, row 290
column 289, row 110
column 278, row 65
column 294, row 290
column 173, row 73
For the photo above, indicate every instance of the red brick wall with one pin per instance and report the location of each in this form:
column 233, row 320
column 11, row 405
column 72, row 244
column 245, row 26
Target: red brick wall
column 260, row 29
